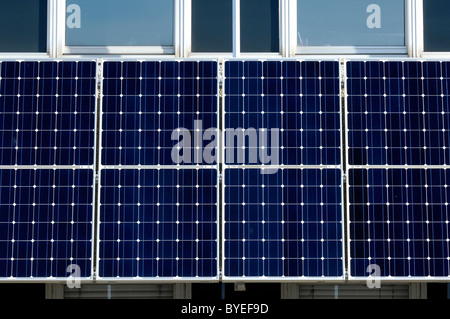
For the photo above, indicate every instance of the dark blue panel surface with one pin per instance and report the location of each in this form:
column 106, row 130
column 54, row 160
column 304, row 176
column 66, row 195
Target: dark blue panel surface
column 290, row 107
column 286, row 224
column 158, row 223
column 398, row 113
column 144, row 105
column 47, row 113
column 399, row 220
column 45, row 222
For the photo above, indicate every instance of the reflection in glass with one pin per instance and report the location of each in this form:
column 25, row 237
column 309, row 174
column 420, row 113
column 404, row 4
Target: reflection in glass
column 212, row 26
column 351, row 23
column 23, row 26
column 436, row 25
column 118, row 22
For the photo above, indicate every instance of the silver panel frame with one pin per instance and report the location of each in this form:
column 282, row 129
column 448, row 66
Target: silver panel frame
column 404, row 279
column 266, row 279
column 137, row 280
column 90, row 278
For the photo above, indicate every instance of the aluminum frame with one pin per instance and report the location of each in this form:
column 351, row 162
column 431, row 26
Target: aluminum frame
column 101, row 167
column 90, row 278
column 234, row 279
column 354, row 279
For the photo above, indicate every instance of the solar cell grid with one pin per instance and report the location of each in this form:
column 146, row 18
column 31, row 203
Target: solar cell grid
column 145, row 103
column 399, row 220
column 398, row 113
column 47, row 113
column 45, row 222
column 287, row 224
column 398, row 217
column 158, row 223
column 300, row 99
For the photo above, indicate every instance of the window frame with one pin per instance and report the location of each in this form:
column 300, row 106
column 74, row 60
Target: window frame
column 283, row 23
column 363, row 50
column 56, row 48
column 64, row 49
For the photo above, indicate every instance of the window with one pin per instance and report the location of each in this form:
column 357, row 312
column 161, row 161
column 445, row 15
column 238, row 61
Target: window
column 23, row 26
column 105, row 23
column 212, row 26
column 436, row 25
column 351, row 23
column 259, row 26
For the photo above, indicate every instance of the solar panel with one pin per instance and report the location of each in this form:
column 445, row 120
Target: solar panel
column 399, row 221
column 158, row 195
column 147, row 105
column 47, row 119
column 398, row 148
column 45, row 222
column 282, row 188
column 287, row 224
column 158, row 223
column 398, row 113
column 47, row 112
column 299, row 100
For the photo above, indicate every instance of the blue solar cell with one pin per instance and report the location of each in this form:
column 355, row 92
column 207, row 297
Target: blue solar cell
column 45, row 222
column 47, row 113
column 399, row 221
column 145, row 103
column 158, row 223
column 398, row 113
column 284, row 224
column 294, row 106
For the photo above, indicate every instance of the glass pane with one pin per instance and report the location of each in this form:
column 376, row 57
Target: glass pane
column 212, row 26
column 259, row 26
column 23, row 26
column 436, row 25
column 119, row 22
column 351, row 23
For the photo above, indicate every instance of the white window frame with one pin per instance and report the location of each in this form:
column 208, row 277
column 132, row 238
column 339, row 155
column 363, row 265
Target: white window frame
column 361, row 50
column 283, row 31
column 63, row 49
column 56, row 48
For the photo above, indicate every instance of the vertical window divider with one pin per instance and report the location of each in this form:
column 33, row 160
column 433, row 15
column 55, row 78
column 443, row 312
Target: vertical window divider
column 183, row 28
column 418, row 27
column 236, row 28
column 288, row 27
column 56, row 27
column 411, row 28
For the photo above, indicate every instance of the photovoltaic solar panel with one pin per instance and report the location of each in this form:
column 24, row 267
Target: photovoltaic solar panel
column 301, row 100
column 398, row 120
column 287, row 224
column 398, row 112
column 149, row 105
column 47, row 119
column 158, row 223
column 280, row 220
column 400, row 222
column 161, row 220
column 45, row 222
column 47, row 112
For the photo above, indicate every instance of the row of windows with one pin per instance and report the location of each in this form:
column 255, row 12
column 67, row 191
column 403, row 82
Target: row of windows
column 152, row 23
